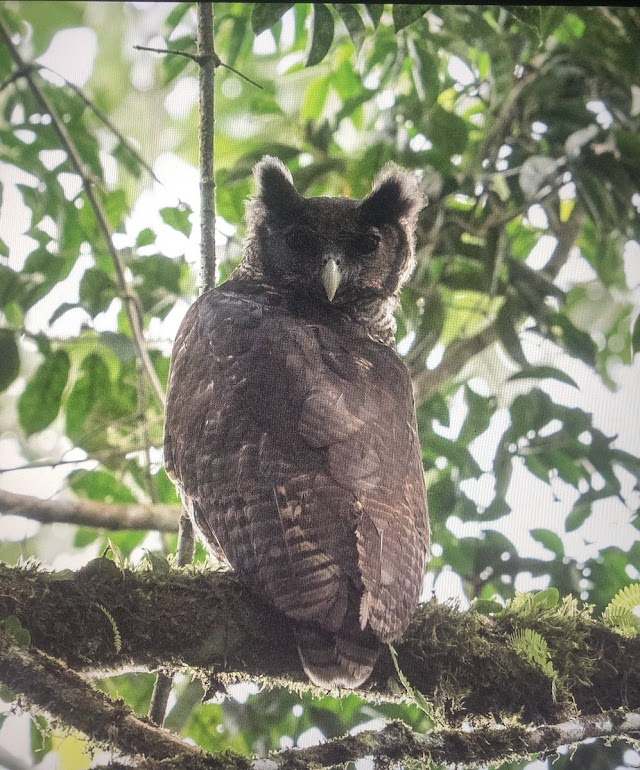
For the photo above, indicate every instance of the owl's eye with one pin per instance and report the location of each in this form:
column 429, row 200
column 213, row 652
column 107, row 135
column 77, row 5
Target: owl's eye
column 299, row 238
column 367, row 244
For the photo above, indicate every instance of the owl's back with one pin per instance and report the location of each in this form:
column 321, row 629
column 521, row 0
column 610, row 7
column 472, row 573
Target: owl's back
column 292, row 437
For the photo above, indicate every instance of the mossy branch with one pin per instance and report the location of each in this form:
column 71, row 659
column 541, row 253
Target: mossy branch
column 49, row 684
column 461, row 662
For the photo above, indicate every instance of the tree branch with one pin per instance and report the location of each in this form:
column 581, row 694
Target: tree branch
column 398, row 743
column 128, row 295
column 207, row 61
column 88, row 513
column 462, row 662
column 50, row 685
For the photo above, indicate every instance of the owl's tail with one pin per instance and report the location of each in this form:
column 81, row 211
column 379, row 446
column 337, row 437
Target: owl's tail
column 335, row 660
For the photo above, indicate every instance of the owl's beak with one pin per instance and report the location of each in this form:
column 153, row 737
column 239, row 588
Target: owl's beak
column 331, row 277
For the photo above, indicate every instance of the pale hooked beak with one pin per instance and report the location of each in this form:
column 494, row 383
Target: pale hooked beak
column 331, row 277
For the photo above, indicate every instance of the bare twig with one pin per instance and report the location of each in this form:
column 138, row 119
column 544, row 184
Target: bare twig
column 207, row 146
column 198, row 59
column 208, row 61
column 91, row 514
column 128, row 295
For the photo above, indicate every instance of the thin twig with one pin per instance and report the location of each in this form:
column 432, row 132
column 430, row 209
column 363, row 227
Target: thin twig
column 127, row 294
column 207, row 146
column 207, row 61
column 199, row 59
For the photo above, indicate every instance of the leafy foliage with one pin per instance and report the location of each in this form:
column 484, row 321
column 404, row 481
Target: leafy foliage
column 522, row 124
column 622, row 611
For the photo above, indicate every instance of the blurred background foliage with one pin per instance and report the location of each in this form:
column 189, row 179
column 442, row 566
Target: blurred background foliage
column 519, row 325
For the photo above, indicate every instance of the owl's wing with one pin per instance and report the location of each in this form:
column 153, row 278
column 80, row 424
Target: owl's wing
column 361, row 410
column 298, row 449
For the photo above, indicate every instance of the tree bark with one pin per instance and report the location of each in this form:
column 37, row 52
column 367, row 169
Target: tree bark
column 103, row 619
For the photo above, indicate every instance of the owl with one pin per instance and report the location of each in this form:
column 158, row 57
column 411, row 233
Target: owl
column 291, row 428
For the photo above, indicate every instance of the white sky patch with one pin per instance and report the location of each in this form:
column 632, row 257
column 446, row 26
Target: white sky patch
column 631, row 257
column 183, row 97
column 71, row 54
column 242, row 691
column 460, row 71
column 542, row 252
column 536, row 217
column 265, row 43
column 311, row 737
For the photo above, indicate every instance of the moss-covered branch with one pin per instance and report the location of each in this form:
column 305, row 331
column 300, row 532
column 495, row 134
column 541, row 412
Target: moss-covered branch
column 49, row 685
column 398, row 743
column 462, row 662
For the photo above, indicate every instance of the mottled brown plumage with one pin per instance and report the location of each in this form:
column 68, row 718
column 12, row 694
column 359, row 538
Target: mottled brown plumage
column 291, row 430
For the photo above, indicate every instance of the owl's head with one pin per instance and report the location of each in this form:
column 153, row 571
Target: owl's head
column 336, row 251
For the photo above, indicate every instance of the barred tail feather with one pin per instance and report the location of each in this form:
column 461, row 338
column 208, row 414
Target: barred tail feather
column 331, row 660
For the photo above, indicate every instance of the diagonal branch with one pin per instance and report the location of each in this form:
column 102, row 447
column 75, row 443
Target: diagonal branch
column 49, row 685
column 398, row 743
column 128, row 295
column 88, row 513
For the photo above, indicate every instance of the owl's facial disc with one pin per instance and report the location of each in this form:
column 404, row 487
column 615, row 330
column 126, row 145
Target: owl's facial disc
column 331, row 277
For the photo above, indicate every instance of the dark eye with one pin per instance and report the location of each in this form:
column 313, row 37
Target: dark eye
column 367, row 244
column 299, row 238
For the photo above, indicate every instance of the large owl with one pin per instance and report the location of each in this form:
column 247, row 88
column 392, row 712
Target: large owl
column 291, row 429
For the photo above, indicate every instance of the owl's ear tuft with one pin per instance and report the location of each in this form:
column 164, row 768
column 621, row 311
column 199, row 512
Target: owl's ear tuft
column 395, row 197
column 275, row 185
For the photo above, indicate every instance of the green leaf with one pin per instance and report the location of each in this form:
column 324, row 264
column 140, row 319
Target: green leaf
column 9, row 280
column 91, row 387
column 548, row 598
column 39, row 404
column 447, row 131
column 481, row 409
column 13, row 628
column 41, row 740
column 352, row 21
column 100, row 486
column 265, row 15
column 577, row 342
column 121, row 344
column 425, row 72
column 158, row 562
column 9, row 358
column 321, row 34
column 508, row 336
column 405, row 14
column 635, row 336
column 577, row 517
column 549, row 540
column 487, row 607
column 375, row 11
column 145, row 237
column 178, row 218
column 177, row 14
column 97, row 291
column 543, row 372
